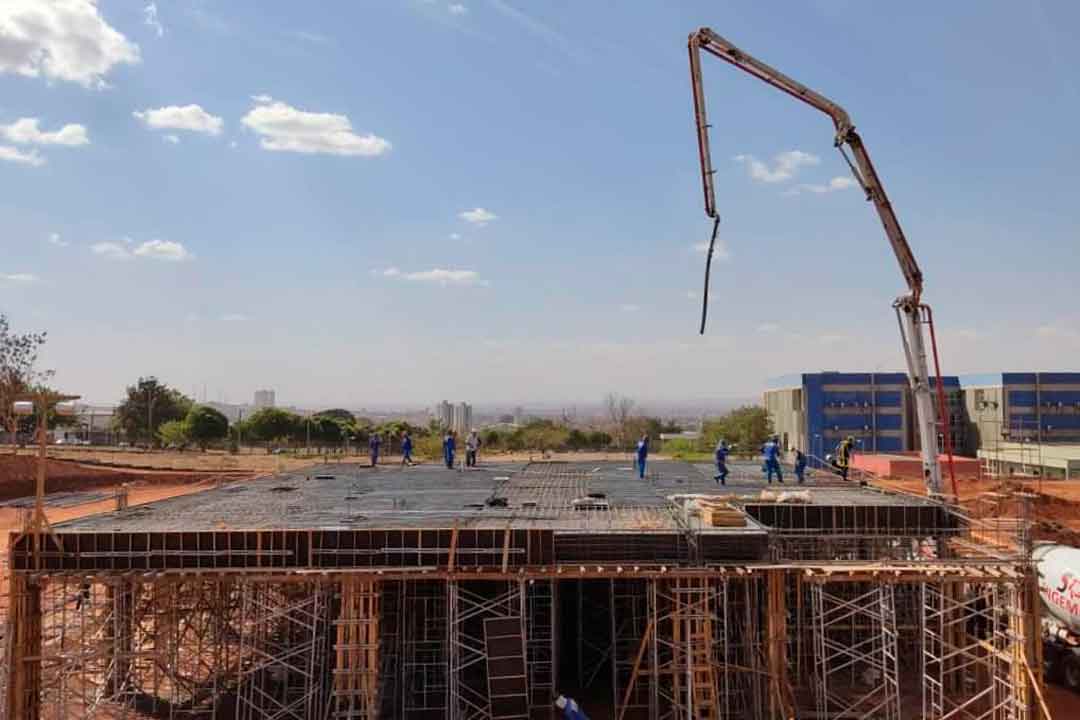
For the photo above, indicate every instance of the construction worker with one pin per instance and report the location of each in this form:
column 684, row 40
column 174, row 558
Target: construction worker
column 721, row 462
column 844, row 452
column 449, row 445
column 406, row 448
column 800, row 465
column 472, row 445
column 771, row 453
column 570, row 708
column 642, row 455
column 373, row 444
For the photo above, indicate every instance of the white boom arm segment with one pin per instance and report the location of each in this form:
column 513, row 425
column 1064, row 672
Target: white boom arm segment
column 911, row 313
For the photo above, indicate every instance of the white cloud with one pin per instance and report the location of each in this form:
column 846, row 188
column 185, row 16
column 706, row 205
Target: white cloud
column 234, row 317
column 455, row 236
column 785, row 166
column 837, row 183
column 232, row 144
column 163, row 250
column 150, row 18
column 170, row 138
column 767, row 329
column 187, row 117
column 445, row 277
column 166, row 250
column 55, row 239
column 457, row 9
column 391, row 272
column 114, row 250
column 691, row 295
column 19, row 278
column 478, row 216
column 25, row 131
column 64, row 40
column 284, row 128
column 16, row 155
column 720, row 250
column 629, row 307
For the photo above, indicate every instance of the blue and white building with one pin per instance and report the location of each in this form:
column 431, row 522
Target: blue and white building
column 815, row 411
column 1040, row 407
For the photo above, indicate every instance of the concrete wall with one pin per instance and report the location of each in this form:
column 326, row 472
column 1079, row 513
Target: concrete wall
column 785, row 407
column 983, row 414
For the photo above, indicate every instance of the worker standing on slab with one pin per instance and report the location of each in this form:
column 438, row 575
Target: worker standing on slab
column 800, row 465
column 406, row 448
column 721, row 462
column 570, row 708
column 448, row 449
column 844, row 452
column 771, row 452
column 472, row 445
column 642, row 454
column 374, row 441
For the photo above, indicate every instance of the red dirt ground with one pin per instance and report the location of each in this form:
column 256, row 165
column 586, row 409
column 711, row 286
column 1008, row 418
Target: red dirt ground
column 18, row 476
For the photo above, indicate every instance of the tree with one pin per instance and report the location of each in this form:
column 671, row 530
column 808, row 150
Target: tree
column 577, row 440
column 747, row 428
column 205, row 425
column 327, row 429
column 620, row 409
column 272, row 424
column 671, row 426
column 150, row 403
column 338, row 414
column 599, row 440
column 175, row 433
column 491, row 439
column 18, row 355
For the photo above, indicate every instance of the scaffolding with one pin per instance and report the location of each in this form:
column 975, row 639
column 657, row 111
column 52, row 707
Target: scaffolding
column 832, row 611
column 856, row 658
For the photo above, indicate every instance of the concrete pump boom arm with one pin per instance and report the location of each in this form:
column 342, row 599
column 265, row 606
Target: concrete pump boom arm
column 707, row 40
column 911, row 313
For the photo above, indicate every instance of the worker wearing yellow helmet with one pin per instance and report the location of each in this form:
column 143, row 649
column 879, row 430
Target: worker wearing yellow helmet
column 844, row 452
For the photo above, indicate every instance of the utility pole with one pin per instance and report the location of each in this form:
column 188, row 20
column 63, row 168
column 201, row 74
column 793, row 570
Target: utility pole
column 149, row 417
column 42, row 402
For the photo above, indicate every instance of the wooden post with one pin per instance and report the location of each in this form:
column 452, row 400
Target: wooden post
column 24, row 669
column 776, row 645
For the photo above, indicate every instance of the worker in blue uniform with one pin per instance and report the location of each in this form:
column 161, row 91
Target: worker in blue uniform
column 642, row 454
column 373, row 444
column 771, row 452
column 570, row 708
column 406, row 448
column 449, row 445
column 800, row 465
column 721, row 462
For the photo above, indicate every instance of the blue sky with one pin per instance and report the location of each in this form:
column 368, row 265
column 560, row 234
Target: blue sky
column 389, row 202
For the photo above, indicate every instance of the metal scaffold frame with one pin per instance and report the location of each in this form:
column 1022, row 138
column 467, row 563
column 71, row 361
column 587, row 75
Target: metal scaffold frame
column 764, row 643
column 424, row 647
column 283, row 644
column 974, row 651
column 856, row 665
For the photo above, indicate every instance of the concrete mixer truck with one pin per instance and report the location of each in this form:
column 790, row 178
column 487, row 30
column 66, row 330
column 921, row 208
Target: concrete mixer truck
column 1059, row 586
